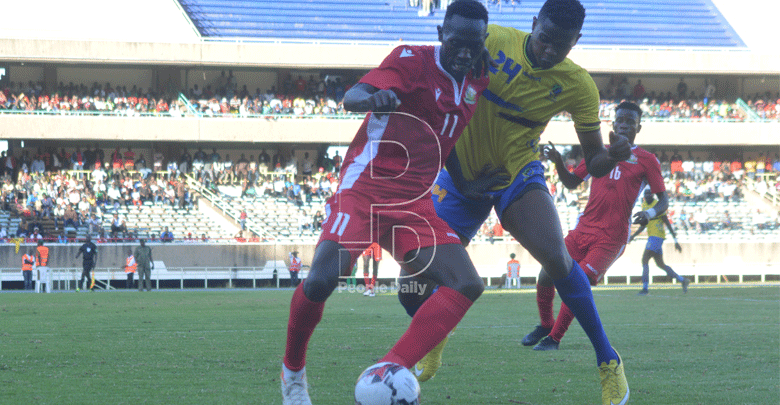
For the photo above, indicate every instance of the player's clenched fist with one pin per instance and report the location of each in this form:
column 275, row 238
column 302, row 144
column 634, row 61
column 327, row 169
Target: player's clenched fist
column 383, row 101
column 619, row 147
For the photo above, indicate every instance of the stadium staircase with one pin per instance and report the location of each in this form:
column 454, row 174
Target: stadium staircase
column 228, row 205
column 619, row 23
column 748, row 111
column 269, row 218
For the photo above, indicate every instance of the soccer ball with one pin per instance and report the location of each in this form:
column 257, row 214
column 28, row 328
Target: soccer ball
column 387, row 384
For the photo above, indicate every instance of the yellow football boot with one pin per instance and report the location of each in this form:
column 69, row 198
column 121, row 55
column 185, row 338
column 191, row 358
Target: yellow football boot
column 614, row 386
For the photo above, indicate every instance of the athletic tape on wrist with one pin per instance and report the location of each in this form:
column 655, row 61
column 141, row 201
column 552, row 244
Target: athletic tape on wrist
column 651, row 212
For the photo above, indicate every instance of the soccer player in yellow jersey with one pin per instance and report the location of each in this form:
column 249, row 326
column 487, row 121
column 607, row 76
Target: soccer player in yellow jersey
column 655, row 240
column 495, row 164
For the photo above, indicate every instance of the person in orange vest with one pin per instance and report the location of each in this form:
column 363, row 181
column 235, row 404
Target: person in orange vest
column 28, row 260
column 512, row 271
column 42, row 265
column 295, row 267
column 130, row 267
column 372, row 254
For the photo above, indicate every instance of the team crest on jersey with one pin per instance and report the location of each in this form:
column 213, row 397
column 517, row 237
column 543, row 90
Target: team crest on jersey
column 554, row 92
column 633, row 160
column 471, row 95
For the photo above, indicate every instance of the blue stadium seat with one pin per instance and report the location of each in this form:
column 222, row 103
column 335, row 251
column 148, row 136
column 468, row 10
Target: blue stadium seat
column 634, row 23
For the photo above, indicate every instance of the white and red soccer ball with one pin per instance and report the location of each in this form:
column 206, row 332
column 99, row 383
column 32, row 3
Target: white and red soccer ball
column 387, row 384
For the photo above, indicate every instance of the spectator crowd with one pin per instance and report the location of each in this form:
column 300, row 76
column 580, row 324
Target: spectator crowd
column 322, row 97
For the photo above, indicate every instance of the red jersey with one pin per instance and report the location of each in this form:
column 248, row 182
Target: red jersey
column 612, row 197
column 409, row 147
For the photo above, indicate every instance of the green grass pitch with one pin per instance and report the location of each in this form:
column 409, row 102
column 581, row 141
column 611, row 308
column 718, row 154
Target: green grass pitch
column 713, row 345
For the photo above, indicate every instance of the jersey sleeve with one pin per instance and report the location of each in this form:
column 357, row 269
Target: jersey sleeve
column 397, row 72
column 585, row 111
column 581, row 170
column 653, row 174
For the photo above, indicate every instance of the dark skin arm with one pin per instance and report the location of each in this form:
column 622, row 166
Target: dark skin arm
column 569, row 179
column 643, row 217
column 638, row 231
column 364, row 97
column 600, row 160
column 669, row 226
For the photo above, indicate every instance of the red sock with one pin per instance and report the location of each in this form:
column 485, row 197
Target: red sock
column 562, row 323
column 437, row 316
column 544, row 300
column 304, row 317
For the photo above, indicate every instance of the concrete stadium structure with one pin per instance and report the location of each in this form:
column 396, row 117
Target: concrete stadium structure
column 177, row 55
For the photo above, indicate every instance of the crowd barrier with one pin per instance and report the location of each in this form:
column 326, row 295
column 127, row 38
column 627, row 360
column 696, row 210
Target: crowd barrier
column 67, row 279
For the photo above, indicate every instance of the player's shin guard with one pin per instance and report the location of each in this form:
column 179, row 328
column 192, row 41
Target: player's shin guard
column 544, row 300
column 575, row 291
column 304, row 317
column 437, row 316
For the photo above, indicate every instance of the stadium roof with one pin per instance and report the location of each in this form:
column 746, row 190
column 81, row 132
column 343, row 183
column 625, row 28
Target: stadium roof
column 631, row 23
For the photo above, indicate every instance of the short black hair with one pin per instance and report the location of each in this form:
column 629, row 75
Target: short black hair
column 467, row 8
column 567, row 14
column 627, row 105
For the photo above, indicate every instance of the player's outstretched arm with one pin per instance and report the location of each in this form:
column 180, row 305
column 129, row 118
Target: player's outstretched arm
column 364, row 97
column 671, row 231
column 643, row 217
column 569, row 179
column 638, row 231
column 600, row 160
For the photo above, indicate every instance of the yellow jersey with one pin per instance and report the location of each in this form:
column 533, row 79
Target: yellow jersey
column 656, row 226
column 519, row 102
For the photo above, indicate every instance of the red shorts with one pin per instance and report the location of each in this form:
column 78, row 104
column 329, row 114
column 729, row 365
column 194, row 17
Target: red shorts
column 355, row 220
column 594, row 253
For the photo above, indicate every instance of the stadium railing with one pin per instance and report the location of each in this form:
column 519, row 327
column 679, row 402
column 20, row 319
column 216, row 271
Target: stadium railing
column 747, row 109
column 698, row 272
column 225, row 208
column 350, row 116
column 67, row 278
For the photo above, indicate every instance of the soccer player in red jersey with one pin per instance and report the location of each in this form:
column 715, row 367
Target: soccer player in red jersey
column 419, row 100
column 373, row 254
column 602, row 231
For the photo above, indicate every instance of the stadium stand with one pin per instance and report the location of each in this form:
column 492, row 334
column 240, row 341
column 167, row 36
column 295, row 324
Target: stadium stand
column 683, row 23
column 107, row 101
column 655, row 27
